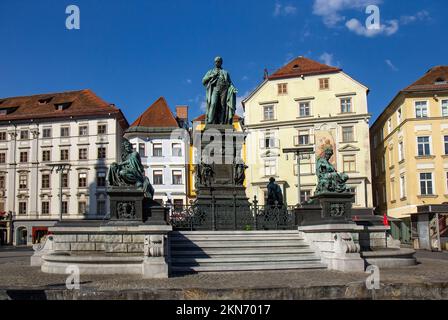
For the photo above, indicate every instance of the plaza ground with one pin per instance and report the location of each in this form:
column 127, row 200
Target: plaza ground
column 427, row 280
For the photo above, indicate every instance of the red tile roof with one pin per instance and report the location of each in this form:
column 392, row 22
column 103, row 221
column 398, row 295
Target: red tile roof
column 201, row 118
column 158, row 115
column 428, row 81
column 41, row 106
column 302, row 66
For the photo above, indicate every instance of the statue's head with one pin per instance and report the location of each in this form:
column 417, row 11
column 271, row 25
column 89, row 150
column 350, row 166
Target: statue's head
column 271, row 179
column 127, row 146
column 218, row 62
column 328, row 152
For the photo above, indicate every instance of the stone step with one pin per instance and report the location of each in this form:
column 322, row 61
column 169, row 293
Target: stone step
column 227, row 233
column 196, row 238
column 240, row 251
column 269, row 259
column 239, row 244
column 255, row 267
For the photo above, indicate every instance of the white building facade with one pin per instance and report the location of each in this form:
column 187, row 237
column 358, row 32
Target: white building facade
column 162, row 142
column 74, row 131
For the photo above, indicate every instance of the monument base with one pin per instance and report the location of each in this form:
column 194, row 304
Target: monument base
column 97, row 248
column 326, row 208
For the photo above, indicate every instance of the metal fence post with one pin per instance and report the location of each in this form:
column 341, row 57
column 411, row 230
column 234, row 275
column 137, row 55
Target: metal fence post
column 213, row 214
column 255, row 211
column 234, row 211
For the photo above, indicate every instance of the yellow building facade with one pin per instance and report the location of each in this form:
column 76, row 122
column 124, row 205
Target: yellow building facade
column 409, row 143
column 306, row 103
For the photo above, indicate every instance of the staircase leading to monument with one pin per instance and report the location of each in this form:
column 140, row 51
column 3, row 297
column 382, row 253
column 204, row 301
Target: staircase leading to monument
column 219, row 251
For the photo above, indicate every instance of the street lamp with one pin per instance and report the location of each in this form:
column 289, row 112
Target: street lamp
column 298, row 151
column 60, row 168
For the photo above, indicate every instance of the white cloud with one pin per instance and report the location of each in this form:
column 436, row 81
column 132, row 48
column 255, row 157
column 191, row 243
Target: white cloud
column 188, row 81
column 419, row 16
column 389, row 28
column 284, row 10
column 239, row 106
column 391, row 65
column 327, row 58
column 331, row 10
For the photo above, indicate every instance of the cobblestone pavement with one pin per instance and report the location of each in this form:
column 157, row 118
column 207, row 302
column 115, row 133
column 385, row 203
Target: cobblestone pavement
column 15, row 273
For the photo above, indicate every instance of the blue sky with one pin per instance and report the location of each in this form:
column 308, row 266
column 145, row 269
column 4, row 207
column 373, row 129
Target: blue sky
column 132, row 52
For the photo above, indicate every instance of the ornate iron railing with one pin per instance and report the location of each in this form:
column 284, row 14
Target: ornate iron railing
column 248, row 217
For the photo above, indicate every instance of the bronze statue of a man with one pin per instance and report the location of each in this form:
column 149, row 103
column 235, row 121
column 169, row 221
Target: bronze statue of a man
column 130, row 172
column 329, row 180
column 220, row 95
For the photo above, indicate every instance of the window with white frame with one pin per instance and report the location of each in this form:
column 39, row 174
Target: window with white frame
column 324, row 83
column 2, row 182
column 402, row 187
column 303, row 138
column 102, row 129
column 2, row 157
column 82, row 154
column 346, row 105
column 46, row 133
column 3, row 136
column 426, row 184
column 65, row 180
column 177, row 150
column 64, row 154
column 347, row 134
column 65, row 132
column 282, row 88
column 46, row 155
column 101, row 153
column 268, row 113
column 157, row 150
column 82, row 180
column 269, row 140
column 64, row 205
column 304, row 109
column 349, row 162
column 445, row 142
column 23, row 156
column 45, row 181
column 389, row 126
column 23, row 181
column 142, row 150
column 177, row 177
column 421, row 109
column 157, row 177
column 45, row 207
column 83, row 130
column 22, row 207
column 423, row 146
column 270, row 167
column 399, row 116
column 391, row 157
column 400, row 151
column 82, row 207
column 444, row 108
column 24, row 135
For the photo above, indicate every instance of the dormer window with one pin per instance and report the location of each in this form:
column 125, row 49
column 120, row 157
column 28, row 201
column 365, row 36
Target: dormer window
column 62, row 106
column 295, row 67
column 440, row 81
column 45, row 101
column 6, row 111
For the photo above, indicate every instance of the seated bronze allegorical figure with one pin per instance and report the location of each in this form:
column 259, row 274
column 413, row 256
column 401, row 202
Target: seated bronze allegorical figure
column 130, row 172
column 329, row 180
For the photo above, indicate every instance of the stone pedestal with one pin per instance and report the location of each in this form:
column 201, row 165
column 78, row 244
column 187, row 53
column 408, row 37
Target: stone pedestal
column 327, row 208
column 126, row 205
column 221, row 196
column 337, row 245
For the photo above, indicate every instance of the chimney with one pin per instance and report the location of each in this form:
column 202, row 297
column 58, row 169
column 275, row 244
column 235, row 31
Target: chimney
column 182, row 115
